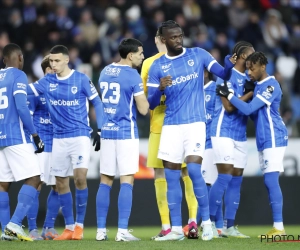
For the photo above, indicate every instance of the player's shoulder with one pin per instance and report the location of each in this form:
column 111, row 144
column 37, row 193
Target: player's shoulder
column 14, row 71
column 210, row 86
column 80, row 74
column 196, row 50
column 150, row 60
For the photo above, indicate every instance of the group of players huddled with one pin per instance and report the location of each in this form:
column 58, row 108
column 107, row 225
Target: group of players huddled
column 197, row 132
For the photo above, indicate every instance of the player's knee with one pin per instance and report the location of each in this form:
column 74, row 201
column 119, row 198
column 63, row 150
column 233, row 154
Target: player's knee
column 80, row 182
column 34, row 181
column 159, row 173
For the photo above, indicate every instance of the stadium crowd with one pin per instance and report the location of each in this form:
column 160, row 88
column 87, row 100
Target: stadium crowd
column 93, row 29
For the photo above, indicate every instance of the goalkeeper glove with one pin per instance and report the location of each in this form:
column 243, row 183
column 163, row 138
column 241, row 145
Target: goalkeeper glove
column 97, row 140
column 222, row 90
column 39, row 144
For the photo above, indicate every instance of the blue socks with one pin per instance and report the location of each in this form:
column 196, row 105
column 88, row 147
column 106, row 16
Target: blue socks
column 216, row 194
column 4, row 210
column 232, row 199
column 102, row 204
column 124, row 205
column 275, row 196
column 52, row 209
column 26, row 197
column 200, row 189
column 81, row 204
column 66, row 203
column 174, row 195
column 33, row 212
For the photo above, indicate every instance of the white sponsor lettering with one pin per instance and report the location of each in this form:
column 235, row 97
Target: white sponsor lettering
column 64, row 102
column 182, row 79
column 21, row 85
column 166, row 66
column 2, row 76
column 1, row 116
column 110, row 110
column 208, row 117
column 2, row 137
column 110, row 128
column 45, row 121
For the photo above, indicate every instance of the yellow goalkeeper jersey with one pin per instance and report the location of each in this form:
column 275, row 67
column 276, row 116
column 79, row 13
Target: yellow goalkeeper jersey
column 158, row 114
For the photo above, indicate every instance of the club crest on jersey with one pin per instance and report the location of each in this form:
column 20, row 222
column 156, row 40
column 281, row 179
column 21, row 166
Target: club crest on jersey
column 207, row 98
column 191, row 62
column 74, row 90
column 270, row 89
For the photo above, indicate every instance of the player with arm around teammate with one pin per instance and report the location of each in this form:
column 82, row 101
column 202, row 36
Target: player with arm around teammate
column 67, row 93
column 17, row 154
column 122, row 94
column 42, row 122
column 271, row 132
column 229, row 143
column 156, row 122
column 179, row 74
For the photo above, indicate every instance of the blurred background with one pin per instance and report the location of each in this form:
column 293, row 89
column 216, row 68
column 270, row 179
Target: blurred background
column 92, row 30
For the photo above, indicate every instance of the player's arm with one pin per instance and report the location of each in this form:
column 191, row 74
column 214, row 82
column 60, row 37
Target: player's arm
column 139, row 95
column 229, row 107
column 20, row 97
column 33, row 103
column 37, row 87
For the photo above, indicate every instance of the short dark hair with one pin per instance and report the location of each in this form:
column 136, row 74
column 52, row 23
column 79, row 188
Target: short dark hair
column 10, row 48
column 240, row 47
column 45, row 63
column 170, row 24
column 257, row 57
column 129, row 45
column 57, row 49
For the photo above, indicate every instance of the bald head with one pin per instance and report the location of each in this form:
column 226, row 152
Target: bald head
column 12, row 56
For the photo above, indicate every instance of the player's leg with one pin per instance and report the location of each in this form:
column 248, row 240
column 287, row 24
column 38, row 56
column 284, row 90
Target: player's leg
column 80, row 154
column 49, row 232
column 271, row 164
column 62, row 169
column 223, row 149
column 108, row 169
column 171, row 152
column 128, row 164
column 160, row 184
column 32, row 216
column 190, row 230
column 233, row 192
column 6, row 178
column 194, row 135
column 24, row 165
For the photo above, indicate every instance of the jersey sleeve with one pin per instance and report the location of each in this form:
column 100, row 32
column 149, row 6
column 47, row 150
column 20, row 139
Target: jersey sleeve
column 38, row 87
column 269, row 92
column 20, row 84
column 32, row 103
column 208, row 59
column 89, row 88
column 153, row 76
column 144, row 74
column 138, row 86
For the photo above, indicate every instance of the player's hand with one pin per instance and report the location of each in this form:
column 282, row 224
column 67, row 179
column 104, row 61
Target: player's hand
column 38, row 143
column 165, row 82
column 97, row 140
column 222, row 90
column 232, row 59
column 249, row 86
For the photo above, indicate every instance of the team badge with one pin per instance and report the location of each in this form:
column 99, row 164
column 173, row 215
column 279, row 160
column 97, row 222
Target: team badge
column 207, row 98
column 74, row 90
column 270, row 89
column 191, row 62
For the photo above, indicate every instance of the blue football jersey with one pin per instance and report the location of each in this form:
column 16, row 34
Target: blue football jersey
column 185, row 97
column 232, row 125
column 118, row 86
column 41, row 120
column 12, row 81
column 210, row 98
column 67, row 102
column 271, row 131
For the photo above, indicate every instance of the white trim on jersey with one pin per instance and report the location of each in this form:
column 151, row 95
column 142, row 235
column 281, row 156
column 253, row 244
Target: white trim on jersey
column 152, row 84
column 211, row 64
column 220, row 122
column 93, row 96
column 139, row 93
column 243, row 74
column 20, row 92
column 264, row 100
column 271, row 126
column 22, row 131
column 131, row 115
column 174, row 57
column 33, row 89
column 207, row 84
column 262, row 81
column 65, row 77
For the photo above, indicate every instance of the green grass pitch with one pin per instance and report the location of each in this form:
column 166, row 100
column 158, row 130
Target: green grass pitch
column 145, row 233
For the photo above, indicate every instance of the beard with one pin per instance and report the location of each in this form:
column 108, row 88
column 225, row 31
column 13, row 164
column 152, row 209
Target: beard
column 174, row 52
